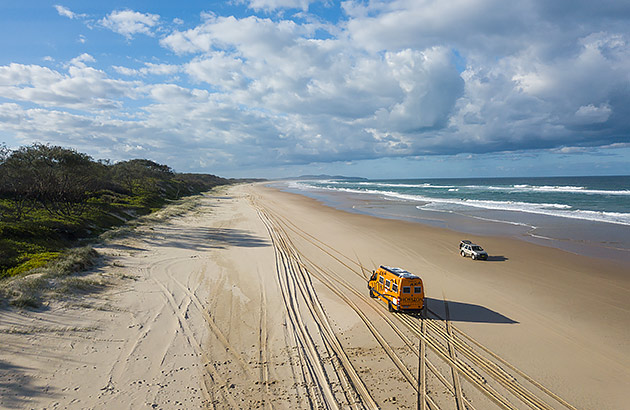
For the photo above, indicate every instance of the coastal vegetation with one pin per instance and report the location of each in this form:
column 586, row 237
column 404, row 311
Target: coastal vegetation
column 54, row 199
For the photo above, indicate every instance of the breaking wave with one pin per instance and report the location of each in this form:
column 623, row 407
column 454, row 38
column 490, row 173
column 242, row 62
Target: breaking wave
column 450, row 203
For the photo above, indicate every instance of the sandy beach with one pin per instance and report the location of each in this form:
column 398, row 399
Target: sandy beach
column 257, row 298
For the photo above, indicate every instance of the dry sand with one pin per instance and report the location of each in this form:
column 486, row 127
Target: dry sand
column 257, row 299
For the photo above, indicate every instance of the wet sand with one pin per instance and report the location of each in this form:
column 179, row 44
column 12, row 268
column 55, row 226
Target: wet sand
column 258, row 299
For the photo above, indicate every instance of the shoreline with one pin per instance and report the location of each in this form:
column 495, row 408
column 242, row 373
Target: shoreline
column 604, row 241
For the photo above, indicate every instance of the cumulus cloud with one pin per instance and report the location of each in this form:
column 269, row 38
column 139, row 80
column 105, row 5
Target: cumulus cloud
column 129, row 22
column 80, row 61
column 82, row 87
column 431, row 86
column 218, row 69
column 252, row 35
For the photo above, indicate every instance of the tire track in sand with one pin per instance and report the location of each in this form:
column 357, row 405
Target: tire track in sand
column 292, row 272
column 263, row 339
column 212, row 376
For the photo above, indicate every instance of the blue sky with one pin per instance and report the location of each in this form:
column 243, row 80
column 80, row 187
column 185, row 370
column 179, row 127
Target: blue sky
column 272, row 88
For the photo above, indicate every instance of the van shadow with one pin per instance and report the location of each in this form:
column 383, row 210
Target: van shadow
column 465, row 312
column 203, row 238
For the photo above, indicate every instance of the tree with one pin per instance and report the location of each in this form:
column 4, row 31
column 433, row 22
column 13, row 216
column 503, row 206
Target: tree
column 17, row 188
column 140, row 174
column 61, row 180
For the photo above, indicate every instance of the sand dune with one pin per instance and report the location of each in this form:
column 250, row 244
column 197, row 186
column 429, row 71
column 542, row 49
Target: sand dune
column 258, row 299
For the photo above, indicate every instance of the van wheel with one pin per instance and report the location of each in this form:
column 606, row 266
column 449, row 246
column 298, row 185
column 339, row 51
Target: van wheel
column 372, row 295
column 390, row 307
column 463, row 254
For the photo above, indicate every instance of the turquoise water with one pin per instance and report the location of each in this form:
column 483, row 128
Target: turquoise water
column 587, row 215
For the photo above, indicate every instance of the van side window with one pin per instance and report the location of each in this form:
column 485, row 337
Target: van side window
column 406, row 289
column 417, row 289
column 387, row 283
column 395, row 287
column 380, row 280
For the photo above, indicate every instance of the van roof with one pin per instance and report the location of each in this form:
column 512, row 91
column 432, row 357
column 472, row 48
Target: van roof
column 400, row 272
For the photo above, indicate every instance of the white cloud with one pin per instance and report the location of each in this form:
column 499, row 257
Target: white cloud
column 18, row 75
column 271, row 5
column 83, row 87
column 420, row 24
column 81, row 60
column 573, row 150
column 431, row 86
column 128, row 22
column 125, row 70
column 149, row 68
column 589, row 114
column 190, row 41
column 65, row 12
column 253, row 36
column 160, row 69
column 218, row 69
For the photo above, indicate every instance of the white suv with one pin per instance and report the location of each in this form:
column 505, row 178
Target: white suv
column 467, row 248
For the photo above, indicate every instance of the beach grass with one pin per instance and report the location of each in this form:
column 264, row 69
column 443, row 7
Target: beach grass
column 60, row 276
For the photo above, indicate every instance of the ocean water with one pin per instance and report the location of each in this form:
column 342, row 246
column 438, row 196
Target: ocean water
column 580, row 214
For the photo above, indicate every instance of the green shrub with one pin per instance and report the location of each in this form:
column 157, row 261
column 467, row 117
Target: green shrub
column 32, row 261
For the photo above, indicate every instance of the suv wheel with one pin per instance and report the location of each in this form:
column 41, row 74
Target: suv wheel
column 473, row 256
column 463, row 254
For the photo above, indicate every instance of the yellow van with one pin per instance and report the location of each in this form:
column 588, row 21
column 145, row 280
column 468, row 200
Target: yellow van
column 403, row 291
